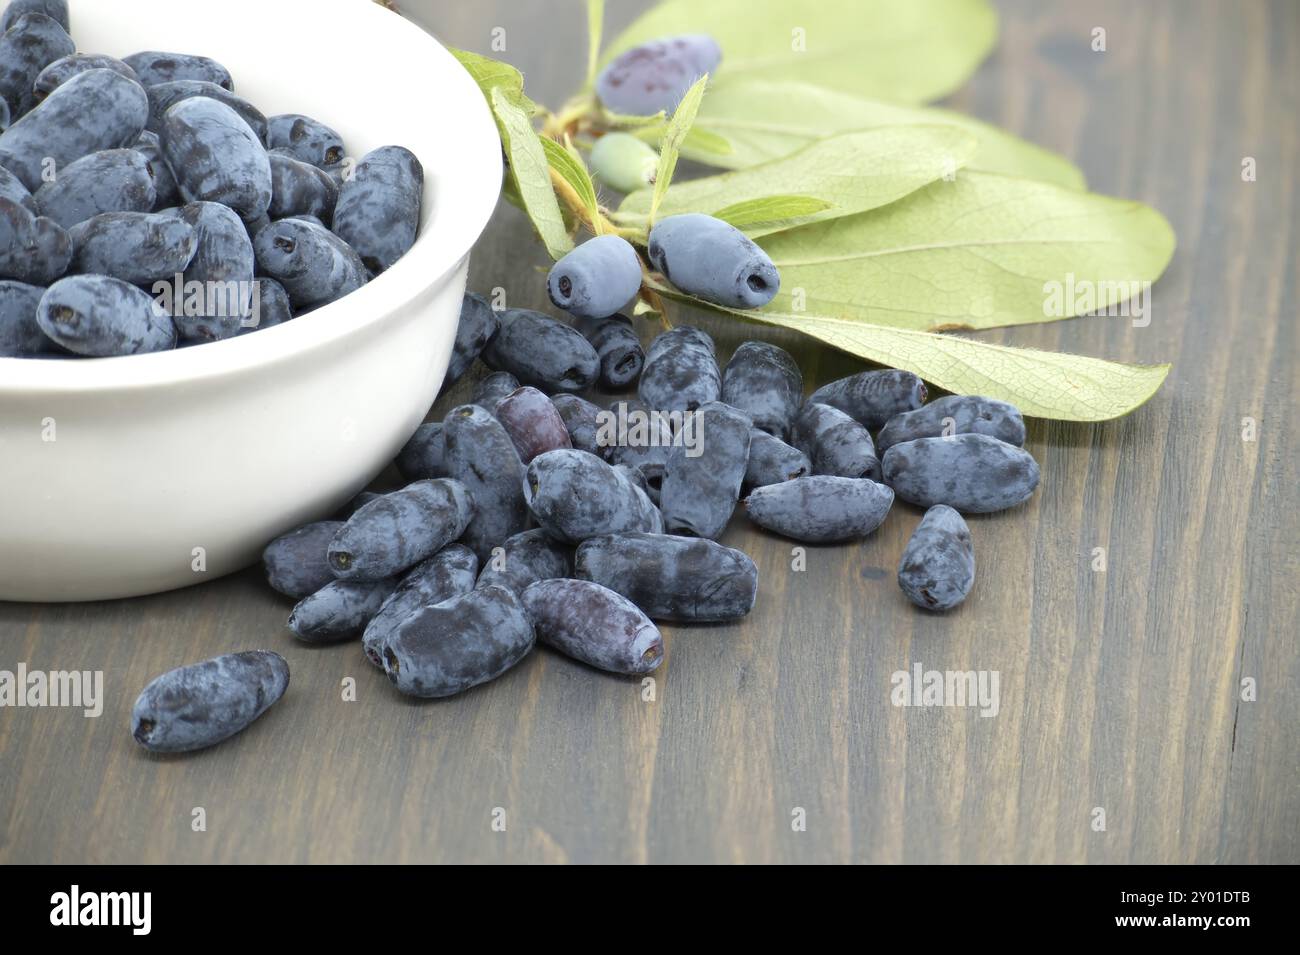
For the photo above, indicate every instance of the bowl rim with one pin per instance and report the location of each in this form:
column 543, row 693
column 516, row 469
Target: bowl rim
column 424, row 268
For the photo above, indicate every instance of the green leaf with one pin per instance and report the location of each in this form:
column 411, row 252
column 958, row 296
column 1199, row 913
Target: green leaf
column 854, row 171
column 907, row 52
column 793, row 115
column 678, row 127
column 595, row 27
column 575, row 174
column 1041, row 384
column 771, row 209
column 526, row 159
column 697, row 142
column 979, row 252
column 492, row 74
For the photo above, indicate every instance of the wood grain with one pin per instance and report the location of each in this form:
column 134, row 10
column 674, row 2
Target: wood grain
column 1118, row 689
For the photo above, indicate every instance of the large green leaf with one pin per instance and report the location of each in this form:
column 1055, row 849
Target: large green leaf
column 492, row 74
column 1041, row 384
column 907, row 51
column 770, row 209
column 978, row 252
column 530, row 172
column 853, row 172
column 792, row 115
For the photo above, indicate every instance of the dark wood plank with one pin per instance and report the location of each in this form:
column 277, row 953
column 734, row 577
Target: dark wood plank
column 1118, row 690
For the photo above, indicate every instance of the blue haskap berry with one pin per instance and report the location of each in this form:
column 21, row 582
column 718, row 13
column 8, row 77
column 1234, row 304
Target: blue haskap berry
column 712, row 260
column 378, row 211
column 136, row 247
column 542, row 352
column 20, row 333
column 254, row 226
column 480, row 454
column 270, row 306
column 340, row 610
column 656, row 75
column 30, row 44
column 297, row 564
column 449, row 647
column 306, row 139
column 478, row 323
column 972, row 473
column 167, row 193
column 582, row 421
column 871, row 398
column 593, row 624
column 54, row 9
column 199, row 705
column 682, row 579
column 575, row 495
column 114, row 180
column 955, row 414
column 354, row 505
column 489, row 392
column 163, row 96
column 12, row 188
column 772, row 461
column 681, row 372
column 99, row 317
column 449, row 573
column 216, row 157
column 763, row 381
column 299, row 189
column 619, row 350
column 702, row 478
column 33, row 249
column 66, row 67
column 154, row 67
column 633, row 435
column 95, row 110
column 423, row 456
column 835, row 443
column 822, row 509
column 623, row 162
column 532, row 423
column 401, row 529
column 938, row 567
column 4, row 114
column 215, row 294
column 597, row 278
column 314, row 265
column 525, row 559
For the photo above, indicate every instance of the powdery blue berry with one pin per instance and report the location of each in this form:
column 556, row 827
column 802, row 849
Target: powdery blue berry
column 619, row 349
column 575, row 495
column 136, row 247
column 582, row 421
column 20, row 333
column 873, row 397
column 378, row 210
column 938, row 567
column 764, row 381
column 32, row 42
column 681, row 372
column 672, row 578
column 955, row 414
column 33, row 249
column 314, row 265
column 971, row 473
column 55, row 9
column 835, row 443
column 712, row 260
column 446, row 648
column 480, row 454
column 594, row 624
column 340, row 610
column 216, row 156
column 597, row 278
column 478, row 323
column 493, row 389
column 199, row 705
column 449, row 573
column 822, row 509
column 401, row 529
column 305, row 139
column 532, row 422
column 66, row 67
column 702, row 479
column 216, row 291
column 93, row 111
column 526, row 558
column 297, row 564
column 655, row 76
column 423, row 456
column 157, row 66
column 772, row 461
column 542, row 352
column 100, row 317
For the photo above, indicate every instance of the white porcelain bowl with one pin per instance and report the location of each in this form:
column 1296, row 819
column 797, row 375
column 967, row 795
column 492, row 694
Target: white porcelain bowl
column 126, row 476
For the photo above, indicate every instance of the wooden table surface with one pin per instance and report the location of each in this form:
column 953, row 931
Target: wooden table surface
column 1119, row 691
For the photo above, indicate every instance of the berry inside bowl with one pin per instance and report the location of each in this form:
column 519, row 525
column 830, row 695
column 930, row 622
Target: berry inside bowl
column 134, row 475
